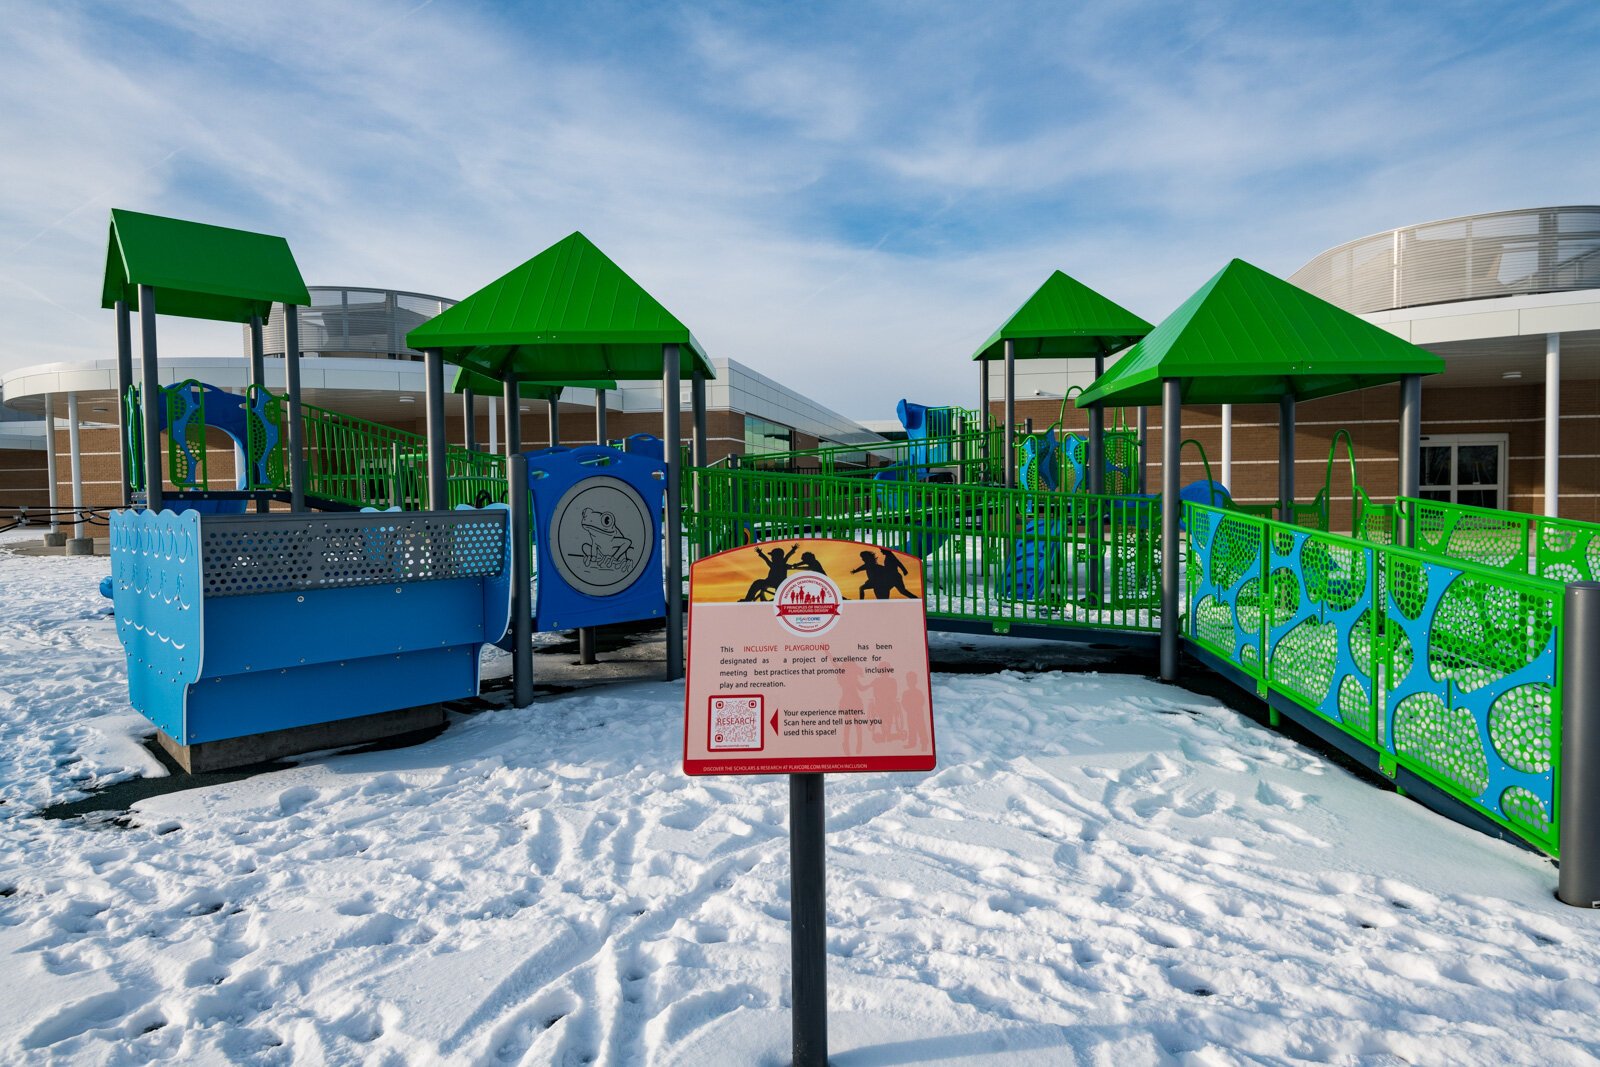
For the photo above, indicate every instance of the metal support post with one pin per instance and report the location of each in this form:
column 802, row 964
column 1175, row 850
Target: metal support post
column 54, row 538
column 1286, row 457
column 1096, row 452
column 124, row 383
column 808, row 920
column 1579, row 814
column 512, row 400
column 1143, row 433
column 1227, row 446
column 258, row 359
column 1552, row 424
column 438, row 442
column 521, row 534
column 1171, row 505
column 152, row 399
column 599, row 416
column 469, row 420
column 1008, row 438
column 494, row 428
column 79, row 545
column 983, row 414
column 671, row 399
column 297, row 426
column 554, row 406
column 1410, row 452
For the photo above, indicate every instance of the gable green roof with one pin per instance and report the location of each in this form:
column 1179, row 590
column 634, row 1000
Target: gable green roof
column 198, row 271
column 1247, row 337
column 1063, row 319
column 482, row 385
column 568, row 314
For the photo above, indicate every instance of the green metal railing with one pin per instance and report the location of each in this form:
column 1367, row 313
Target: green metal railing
column 995, row 555
column 1564, row 550
column 973, row 452
column 1447, row 667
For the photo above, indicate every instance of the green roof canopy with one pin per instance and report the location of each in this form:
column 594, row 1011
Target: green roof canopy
column 1246, row 337
column 198, row 271
column 1063, row 319
column 482, row 385
column 569, row 314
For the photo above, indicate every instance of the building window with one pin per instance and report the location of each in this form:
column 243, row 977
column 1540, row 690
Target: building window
column 763, row 438
column 1464, row 469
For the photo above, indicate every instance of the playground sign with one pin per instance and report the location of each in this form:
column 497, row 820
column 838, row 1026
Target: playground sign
column 807, row 657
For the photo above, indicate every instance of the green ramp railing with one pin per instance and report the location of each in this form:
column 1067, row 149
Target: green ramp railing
column 1446, row 667
column 992, row 555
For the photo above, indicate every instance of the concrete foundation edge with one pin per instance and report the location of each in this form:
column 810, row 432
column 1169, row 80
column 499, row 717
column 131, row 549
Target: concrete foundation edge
column 205, row 756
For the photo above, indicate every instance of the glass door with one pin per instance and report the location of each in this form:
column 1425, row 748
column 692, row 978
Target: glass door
column 1465, row 469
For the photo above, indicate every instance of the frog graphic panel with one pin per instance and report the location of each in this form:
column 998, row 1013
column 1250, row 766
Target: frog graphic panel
column 600, row 536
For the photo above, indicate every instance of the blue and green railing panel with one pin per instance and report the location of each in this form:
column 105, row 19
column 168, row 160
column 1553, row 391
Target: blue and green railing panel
column 989, row 554
column 1563, row 550
column 1448, row 668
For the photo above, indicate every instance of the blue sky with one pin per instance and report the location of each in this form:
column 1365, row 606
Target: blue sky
column 848, row 197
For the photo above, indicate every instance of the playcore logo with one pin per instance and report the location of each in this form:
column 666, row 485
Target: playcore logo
column 807, row 604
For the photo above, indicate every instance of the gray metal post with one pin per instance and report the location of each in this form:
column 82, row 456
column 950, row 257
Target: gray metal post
column 1171, row 503
column 151, row 398
column 438, row 440
column 983, row 412
column 1008, row 439
column 297, row 426
column 1286, row 457
column 599, row 416
column 78, row 545
column 511, row 398
column 1143, row 432
column 697, row 404
column 554, row 406
column 54, row 538
column 1579, row 815
column 521, row 535
column 1410, row 451
column 258, row 359
column 1096, row 457
column 670, row 439
column 1227, row 446
column 469, row 420
column 124, row 383
column 808, row 921
column 1552, row 424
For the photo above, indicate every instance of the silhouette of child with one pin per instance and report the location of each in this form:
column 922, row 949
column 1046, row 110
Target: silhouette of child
column 882, row 578
column 778, row 564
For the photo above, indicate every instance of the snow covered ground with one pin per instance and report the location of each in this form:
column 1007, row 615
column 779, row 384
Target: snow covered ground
column 1103, row 870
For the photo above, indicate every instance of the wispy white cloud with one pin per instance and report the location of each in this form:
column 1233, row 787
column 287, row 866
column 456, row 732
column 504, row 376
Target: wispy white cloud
column 847, row 197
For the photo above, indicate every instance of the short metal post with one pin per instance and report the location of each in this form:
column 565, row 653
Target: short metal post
column 1579, row 815
column 1286, row 457
column 153, row 400
column 1410, row 453
column 124, row 383
column 671, row 436
column 438, row 440
column 1552, row 424
column 599, row 416
column 397, row 481
column 1009, row 437
column 983, row 414
column 1096, row 452
column 297, row 426
column 521, row 535
column 808, row 920
column 586, row 645
column 54, row 538
column 554, row 404
column 1227, row 446
column 1171, row 505
column 469, row 420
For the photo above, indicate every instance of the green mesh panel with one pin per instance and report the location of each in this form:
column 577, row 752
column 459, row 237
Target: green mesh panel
column 1303, row 660
column 1520, row 727
column 1249, row 606
column 1482, row 632
column 1285, row 594
column 1355, row 705
column 1235, row 549
column 1336, row 575
column 1442, row 739
column 1214, row 625
column 1525, row 809
column 1408, row 585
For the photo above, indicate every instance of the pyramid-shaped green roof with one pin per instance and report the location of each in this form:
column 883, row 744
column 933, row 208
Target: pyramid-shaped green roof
column 482, row 385
column 1064, row 319
column 569, row 314
column 1247, row 337
column 198, row 271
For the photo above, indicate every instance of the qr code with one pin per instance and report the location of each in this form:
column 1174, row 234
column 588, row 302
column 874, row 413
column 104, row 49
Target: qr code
column 735, row 723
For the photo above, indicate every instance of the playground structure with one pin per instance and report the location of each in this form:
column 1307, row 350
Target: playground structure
column 1436, row 643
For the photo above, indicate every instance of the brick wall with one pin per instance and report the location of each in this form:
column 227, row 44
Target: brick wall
column 23, row 480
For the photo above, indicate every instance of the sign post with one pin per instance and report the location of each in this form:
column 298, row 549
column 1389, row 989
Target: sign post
column 807, row 657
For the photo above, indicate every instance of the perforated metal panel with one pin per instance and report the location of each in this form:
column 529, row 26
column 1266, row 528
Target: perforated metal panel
column 1542, row 250
column 253, row 554
column 354, row 322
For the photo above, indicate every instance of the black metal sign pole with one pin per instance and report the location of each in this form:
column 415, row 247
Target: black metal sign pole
column 808, row 931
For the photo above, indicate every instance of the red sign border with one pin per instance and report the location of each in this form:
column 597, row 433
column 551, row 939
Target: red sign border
column 832, row 765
